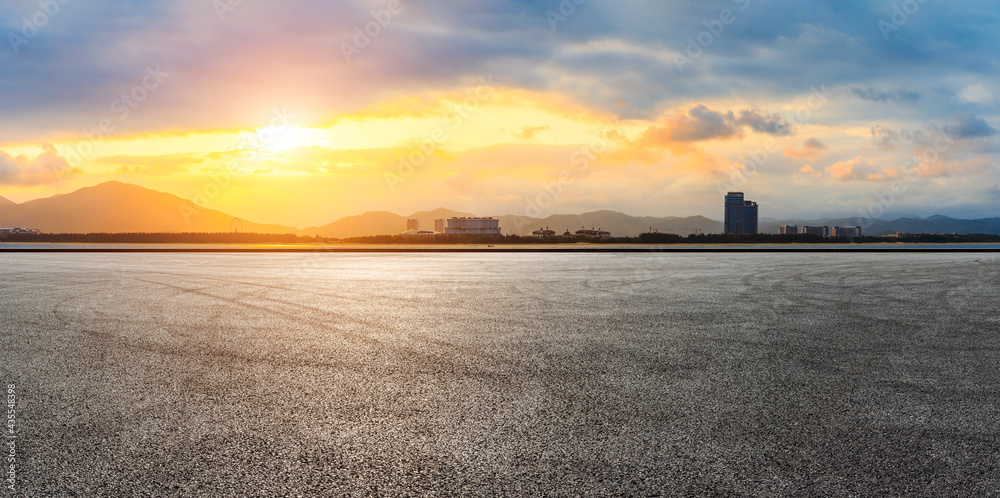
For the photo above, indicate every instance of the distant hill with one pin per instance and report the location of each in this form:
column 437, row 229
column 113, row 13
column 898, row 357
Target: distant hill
column 6, row 202
column 121, row 207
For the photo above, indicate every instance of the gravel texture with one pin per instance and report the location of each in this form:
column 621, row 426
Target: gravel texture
column 503, row 374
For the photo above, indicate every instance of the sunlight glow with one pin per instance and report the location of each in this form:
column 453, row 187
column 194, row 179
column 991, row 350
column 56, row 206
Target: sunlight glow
column 279, row 138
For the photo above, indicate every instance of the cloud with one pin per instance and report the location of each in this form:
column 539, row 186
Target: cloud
column 702, row 124
column 811, row 150
column 699, row 124
column 48, row 167
column 859, row 168
column 942, row 168
column 969, row 126
column 772, row 124
column 875, row 95
column 529, row 132
column 885, row 138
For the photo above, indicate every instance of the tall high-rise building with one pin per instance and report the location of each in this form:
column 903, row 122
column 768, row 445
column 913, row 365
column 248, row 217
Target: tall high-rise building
column 741, row 215
column 439, row 225
column 413, row 224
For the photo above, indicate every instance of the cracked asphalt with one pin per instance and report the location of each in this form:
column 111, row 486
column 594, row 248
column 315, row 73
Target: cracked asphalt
column 503, row 374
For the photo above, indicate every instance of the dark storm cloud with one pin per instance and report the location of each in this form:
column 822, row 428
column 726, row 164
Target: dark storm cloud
column 969, row 126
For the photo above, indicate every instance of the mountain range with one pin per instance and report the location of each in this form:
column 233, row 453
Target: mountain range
column 121, row 207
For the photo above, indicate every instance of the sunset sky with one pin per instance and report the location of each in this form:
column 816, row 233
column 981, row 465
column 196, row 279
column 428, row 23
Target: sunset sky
column 289, row 112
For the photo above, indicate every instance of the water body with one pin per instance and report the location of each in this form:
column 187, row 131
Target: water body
column 512, row 374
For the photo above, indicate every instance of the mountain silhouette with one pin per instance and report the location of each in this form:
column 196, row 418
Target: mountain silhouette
column 121, row 207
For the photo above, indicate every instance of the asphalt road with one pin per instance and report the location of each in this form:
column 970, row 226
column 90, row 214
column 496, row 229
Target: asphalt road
column 503, row 374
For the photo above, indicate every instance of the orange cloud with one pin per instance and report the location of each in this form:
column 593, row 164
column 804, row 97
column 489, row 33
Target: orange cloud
column 699, row 124
column 939, row 168
column 47, row 167
column 860, row 168
column 810, row 151
column 529, row 132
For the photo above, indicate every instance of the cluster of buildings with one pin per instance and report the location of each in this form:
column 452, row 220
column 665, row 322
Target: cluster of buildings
column 17, row 231
column 455, row 226
column 823, row 231
column 741, row 217
column 903, row 235
column 590, row 233
column 490, row 226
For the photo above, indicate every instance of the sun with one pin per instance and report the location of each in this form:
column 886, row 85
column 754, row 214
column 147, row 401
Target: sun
column 278, row 138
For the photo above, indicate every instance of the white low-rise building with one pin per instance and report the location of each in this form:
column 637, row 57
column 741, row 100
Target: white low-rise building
column 473, row 226
column 591, row 233
column 14, row 231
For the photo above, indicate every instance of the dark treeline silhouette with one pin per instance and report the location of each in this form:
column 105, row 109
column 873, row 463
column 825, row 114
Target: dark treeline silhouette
column 160, row 238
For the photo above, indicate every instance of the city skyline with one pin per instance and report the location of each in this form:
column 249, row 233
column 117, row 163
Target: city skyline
column 304, row 112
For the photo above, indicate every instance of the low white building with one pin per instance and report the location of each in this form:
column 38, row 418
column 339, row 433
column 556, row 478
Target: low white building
column 473, row 226
column 419, row 233
column 13, row 231
column 591, row 233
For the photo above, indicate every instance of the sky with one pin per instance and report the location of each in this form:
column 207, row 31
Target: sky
column 302, row 111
